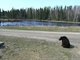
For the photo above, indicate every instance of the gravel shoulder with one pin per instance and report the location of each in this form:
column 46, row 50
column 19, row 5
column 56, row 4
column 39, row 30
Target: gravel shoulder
column 49, row 36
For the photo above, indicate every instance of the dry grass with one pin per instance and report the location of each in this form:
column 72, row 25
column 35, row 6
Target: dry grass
column 45, row 28
column 32, row 49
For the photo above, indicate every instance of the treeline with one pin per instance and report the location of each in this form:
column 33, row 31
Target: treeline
column 67, row 13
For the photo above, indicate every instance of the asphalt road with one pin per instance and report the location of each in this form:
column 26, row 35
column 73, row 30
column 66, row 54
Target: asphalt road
column 74, row 37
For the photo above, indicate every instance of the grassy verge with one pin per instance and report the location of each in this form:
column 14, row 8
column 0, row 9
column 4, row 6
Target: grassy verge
column 32, row 49
column 45, row 28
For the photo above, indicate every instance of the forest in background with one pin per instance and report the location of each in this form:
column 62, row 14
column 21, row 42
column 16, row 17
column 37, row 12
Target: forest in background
column 58, row 13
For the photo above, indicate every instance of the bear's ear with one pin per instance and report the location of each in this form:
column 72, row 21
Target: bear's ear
column 64, row 37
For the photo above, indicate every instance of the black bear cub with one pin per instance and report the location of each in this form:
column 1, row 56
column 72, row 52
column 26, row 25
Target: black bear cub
column 65, row 42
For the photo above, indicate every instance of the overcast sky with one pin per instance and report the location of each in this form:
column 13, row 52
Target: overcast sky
column 17, row 4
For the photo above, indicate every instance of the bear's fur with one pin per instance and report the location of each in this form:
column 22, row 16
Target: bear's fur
column 65, row 42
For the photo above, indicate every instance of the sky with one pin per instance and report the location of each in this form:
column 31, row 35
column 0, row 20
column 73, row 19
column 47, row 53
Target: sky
column 17, row 4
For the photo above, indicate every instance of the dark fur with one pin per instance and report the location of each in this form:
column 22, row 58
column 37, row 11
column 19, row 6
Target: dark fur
column 65, row 42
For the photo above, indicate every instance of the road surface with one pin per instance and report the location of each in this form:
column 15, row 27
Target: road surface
column 74, row 37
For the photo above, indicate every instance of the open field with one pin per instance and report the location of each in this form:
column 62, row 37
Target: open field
column 45, row 28
column 17, row 48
